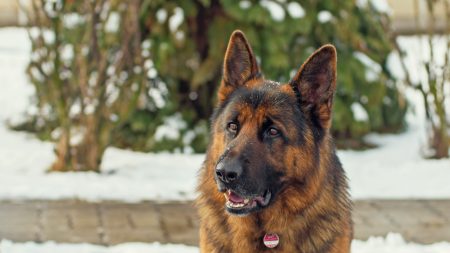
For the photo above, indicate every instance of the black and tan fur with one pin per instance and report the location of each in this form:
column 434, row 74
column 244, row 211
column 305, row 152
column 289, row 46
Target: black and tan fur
column 309, row 206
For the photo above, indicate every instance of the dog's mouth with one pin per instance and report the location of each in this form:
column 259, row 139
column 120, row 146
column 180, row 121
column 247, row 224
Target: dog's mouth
column 240, row 205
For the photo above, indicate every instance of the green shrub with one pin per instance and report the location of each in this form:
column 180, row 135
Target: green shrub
column 188, row 55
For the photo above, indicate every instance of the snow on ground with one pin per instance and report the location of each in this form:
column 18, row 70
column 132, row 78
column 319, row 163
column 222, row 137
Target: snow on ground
column 397, row 168
column 394, row 170
column 52, row 247
column 392, row 243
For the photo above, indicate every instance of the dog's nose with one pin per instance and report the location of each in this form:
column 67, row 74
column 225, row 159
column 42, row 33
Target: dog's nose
column 228, row 172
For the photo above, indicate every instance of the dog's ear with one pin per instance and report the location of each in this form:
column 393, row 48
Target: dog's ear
column 239, row 65
column 316, row 83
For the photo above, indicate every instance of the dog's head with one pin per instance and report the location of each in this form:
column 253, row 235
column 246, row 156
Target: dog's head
column 267, row 134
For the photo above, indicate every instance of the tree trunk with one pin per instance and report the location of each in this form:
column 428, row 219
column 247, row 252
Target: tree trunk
column 85, row 155
column 62, row 152
column 76, row 158
column 440, row 143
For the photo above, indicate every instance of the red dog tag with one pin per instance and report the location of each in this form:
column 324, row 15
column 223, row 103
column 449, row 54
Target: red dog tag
column 271, row 240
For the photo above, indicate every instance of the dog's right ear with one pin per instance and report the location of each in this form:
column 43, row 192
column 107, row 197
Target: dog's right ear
column 239, row 65
column 316, row 83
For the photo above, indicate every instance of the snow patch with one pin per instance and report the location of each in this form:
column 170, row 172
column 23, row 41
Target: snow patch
column 72, row 20
column 324, row 16
column 67, row 52
column 395, row 243
column 49, row 36
column 152, row 73
column 359, row 113
column 48, row 67
column 373, row 69
column 176, row 19
column 295, row 10
column 51, row 7
column 276, row 11
column 35, row 73
column 179, row 35
column 157, row 97
column 75, row 109
column 161, row 15
column 171, row 128
column 381, row 6
column 77, row 136
column 362, row 3
column 389, row 244
column 112, row 93
column 245, row 4
column 7, row 246
column 113, row 23
column 393, row 63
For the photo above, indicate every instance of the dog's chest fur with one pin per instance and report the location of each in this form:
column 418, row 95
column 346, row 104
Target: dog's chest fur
column 321, row 227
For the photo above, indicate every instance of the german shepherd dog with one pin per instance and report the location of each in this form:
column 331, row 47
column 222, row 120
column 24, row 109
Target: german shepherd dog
column 271, row 181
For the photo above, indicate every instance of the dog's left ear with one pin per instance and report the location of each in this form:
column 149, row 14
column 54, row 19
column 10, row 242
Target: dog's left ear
column 239, row 65
column 316, row 84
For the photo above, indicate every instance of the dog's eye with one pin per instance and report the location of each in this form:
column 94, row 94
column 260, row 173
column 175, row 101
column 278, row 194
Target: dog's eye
column 273, row 132
column 232, row 127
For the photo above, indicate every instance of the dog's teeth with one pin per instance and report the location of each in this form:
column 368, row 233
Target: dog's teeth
column 234, row 205
column 246, row 201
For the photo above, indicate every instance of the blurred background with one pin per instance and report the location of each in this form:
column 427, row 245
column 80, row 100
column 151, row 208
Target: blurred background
column 118, row 96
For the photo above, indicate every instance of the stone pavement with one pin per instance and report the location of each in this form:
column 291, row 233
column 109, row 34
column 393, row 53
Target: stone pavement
column 107, row 223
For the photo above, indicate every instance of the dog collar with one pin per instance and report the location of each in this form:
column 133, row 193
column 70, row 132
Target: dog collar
column 271, row 240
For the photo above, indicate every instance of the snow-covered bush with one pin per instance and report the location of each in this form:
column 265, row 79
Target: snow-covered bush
column 189, row 38
column 89, row 73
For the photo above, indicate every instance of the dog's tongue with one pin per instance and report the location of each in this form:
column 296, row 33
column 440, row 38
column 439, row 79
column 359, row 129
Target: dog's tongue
column 233, row 197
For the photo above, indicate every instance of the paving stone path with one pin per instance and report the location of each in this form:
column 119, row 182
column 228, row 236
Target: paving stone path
column 107, row 223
